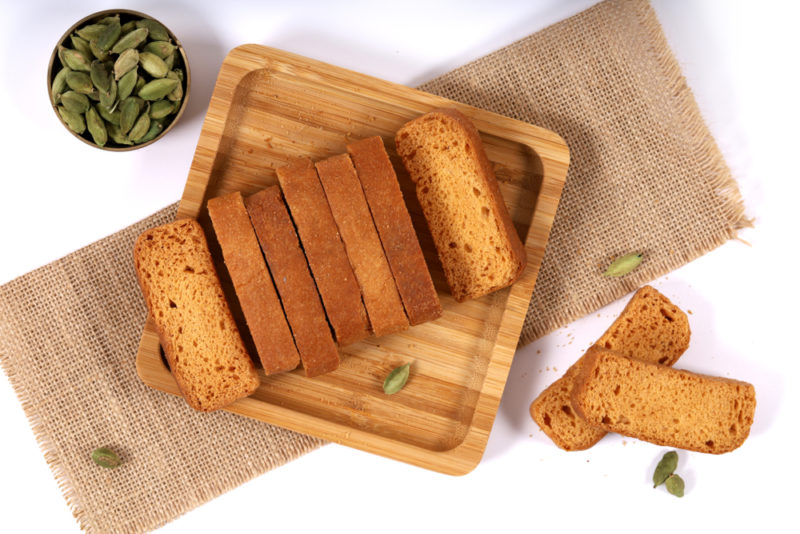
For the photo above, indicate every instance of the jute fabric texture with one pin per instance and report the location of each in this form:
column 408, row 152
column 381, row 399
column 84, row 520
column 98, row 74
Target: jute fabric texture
column 645, row 175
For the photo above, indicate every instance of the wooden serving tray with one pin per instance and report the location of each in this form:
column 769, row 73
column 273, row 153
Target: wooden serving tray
column 268, row 106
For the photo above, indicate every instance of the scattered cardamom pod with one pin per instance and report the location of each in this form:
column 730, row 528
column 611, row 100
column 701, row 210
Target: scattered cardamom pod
column 109, row 35
column 59, row 84
column 97, row 127
column 105, row 457
column 157, row 89
column 665, row 468
column 75, row 59
column 153, row 65
column 396, row 379
column 169, row 61
column 157, row 31
column 73, row 120
column 160, row 48
column 80, row 82
column 126, row 61
column 624, row 264
column 97, row 53
column 75, row 102
column 675, row 485
column 130, row 40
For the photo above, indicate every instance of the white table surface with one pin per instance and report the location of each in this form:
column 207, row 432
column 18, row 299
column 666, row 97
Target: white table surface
column 741, row 61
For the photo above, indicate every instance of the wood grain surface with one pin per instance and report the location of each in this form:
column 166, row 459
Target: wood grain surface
column 268, row 106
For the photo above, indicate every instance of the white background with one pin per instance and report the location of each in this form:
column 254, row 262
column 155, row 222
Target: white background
column 741, row 60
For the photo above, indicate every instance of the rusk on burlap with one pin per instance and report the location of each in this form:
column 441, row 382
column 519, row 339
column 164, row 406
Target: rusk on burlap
column 645, row 175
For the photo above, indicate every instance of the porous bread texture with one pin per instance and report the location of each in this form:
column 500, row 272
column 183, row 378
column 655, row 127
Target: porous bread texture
column 650, row 328
column 662, row 405
column 200, row 339
column 474, row 236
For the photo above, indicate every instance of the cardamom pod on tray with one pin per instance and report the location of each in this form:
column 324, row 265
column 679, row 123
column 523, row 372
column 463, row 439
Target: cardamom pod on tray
column 118, row 80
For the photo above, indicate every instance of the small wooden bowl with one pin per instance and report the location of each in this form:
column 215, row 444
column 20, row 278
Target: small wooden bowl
column 125, row 16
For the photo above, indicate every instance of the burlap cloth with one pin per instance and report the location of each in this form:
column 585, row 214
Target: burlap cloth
column 645, row 175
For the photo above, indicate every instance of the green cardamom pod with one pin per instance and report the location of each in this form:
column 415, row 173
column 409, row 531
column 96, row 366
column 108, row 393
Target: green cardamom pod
column 79, row 43
column 116, row 134
column 59, row 84
column 73, row 120
column 129, row 109
column 156, row 127
column 126, row 84
column 96, row 127
column 100, row 76
column 128, row 27
column 160, row 109
column 675, row 485
column 153, row 65
column 179, row 73
column 624, row 264
column 105, row 457
column 665, row 467
column 109, row 35
column 90, row 32
column 109, row 98
column 160, row 48
column 170, row 60
column 75, row 59
column 157, row 89
column 75, row 102
column 94, row 95
column 396, row 379
column 140, row 81
column 97, row 53
column 126, row 61
column 141, row 127
column 110, row 115
column 176, row 95
column 109, row 19
column 80, row 82
column 130, row 40
column 157, row 31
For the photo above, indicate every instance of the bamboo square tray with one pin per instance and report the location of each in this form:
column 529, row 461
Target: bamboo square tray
column 268, row 106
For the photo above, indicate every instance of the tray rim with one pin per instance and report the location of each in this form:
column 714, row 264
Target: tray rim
column 465, row 456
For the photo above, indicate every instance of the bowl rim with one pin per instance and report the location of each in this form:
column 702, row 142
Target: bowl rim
column 98, row 15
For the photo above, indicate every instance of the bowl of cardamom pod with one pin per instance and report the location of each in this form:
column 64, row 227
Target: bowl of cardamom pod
column 118, row 80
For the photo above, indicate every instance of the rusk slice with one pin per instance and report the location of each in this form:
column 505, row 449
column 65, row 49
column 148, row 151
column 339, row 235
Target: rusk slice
column 395, row 229
column 456, row 186
column 253, row 284
column 363, row 246
column 662, row 405
column 200, row 339
column 324, row 250
column 650, row 328
column 296, row 288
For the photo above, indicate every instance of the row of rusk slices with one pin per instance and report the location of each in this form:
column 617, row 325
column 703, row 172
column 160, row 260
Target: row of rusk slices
column 326, row 258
